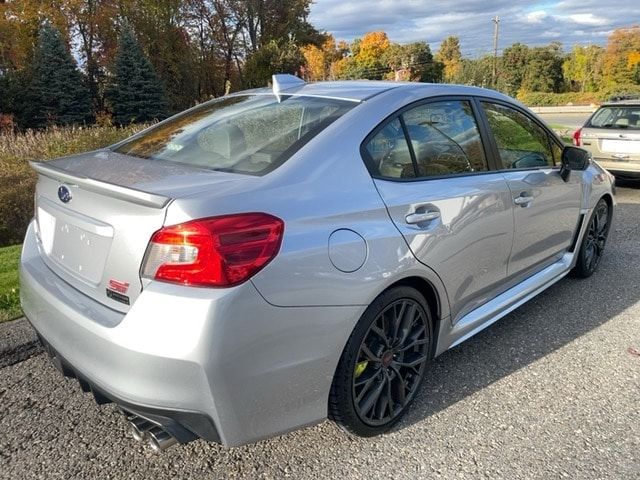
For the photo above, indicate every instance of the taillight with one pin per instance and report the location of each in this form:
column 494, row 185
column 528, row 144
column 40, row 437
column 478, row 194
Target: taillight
column 213, row 252
column 576, row 137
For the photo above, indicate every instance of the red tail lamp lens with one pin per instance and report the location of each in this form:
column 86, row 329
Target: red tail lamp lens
column 214, row 252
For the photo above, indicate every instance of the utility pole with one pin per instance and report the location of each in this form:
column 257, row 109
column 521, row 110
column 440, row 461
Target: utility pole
column 496, row 24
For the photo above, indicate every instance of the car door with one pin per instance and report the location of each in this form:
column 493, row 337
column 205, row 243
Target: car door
column 430, row 166
column 546, row 208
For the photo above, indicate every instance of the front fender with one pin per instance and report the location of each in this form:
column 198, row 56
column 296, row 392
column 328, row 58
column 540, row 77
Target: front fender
column 596, row 183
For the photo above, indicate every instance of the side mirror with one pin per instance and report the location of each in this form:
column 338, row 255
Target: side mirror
column 573, row 158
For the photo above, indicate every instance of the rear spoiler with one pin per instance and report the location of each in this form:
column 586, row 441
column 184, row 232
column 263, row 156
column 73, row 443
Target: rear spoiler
column 135, row 196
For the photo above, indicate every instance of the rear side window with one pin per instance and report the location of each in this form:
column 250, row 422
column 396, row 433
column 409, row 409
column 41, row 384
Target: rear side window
column 244, row 134
column 444, row 140
column 616, row 117
column 389, row 152
column 522, row 143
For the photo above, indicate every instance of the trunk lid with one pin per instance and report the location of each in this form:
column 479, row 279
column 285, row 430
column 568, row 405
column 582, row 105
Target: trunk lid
column 617, row 145
column 96, row 212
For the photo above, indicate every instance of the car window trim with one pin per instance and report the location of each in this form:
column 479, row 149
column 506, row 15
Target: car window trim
column 551, row 135
column 368, row 160
column 407, row 138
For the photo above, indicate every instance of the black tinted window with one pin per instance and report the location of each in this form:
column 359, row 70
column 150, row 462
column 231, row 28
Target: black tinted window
column 522, row 143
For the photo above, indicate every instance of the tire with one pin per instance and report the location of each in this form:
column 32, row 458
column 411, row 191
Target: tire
column 594, row 241
column 387, row 355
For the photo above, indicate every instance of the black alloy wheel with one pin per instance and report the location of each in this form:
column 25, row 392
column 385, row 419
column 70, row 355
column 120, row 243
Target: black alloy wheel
column 594, row 241
column 383, row 364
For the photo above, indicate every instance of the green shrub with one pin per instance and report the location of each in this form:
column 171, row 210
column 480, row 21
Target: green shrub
column 542, row 99
column 17, row 180
column 608, row 92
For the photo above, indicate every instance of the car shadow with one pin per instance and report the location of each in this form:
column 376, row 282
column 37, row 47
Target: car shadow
column 556, row 317
column 628, row 183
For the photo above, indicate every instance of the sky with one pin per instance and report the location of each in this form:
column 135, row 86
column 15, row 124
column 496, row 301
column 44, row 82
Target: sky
column 534, row 23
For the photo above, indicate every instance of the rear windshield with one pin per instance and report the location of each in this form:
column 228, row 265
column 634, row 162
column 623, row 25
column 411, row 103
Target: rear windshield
column 251, row 134
column 617, row 117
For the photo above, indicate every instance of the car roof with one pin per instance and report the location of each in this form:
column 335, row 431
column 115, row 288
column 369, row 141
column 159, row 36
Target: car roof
column 622, row 103
column 361, row 90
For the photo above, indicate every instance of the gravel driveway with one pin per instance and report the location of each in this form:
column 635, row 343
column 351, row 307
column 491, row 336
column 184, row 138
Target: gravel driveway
column 552, row 390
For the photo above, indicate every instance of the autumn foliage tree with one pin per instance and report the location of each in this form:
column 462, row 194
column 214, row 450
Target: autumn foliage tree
column 450, row 56
column 412, row 62
column 198, row 48
column 201, row 49
column 274, row 57
column 621, row 57
column 321, row 61
column 583, row 68
column 366, row 59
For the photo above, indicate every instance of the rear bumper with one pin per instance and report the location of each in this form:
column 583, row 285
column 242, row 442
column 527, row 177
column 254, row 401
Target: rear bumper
column 184, row 426
column 619, row 168
column 225, row 358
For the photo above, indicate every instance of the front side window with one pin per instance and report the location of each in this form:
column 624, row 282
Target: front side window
column 251, row 134
column 522, row 143
column 617, row 118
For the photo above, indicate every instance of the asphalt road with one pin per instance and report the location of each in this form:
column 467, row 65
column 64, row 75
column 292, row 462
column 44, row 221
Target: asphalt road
column 550, row 391
column 572, row 121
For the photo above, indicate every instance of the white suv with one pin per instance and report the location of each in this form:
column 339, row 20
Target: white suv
column 612, row 135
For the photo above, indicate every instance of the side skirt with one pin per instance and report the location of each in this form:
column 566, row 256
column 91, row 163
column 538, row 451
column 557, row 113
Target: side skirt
column 506, row 302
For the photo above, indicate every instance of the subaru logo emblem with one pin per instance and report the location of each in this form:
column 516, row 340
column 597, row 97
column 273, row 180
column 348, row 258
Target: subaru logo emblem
column 64, row 194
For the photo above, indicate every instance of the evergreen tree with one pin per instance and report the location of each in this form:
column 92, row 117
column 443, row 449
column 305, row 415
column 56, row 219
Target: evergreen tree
column 136, row 93
column 56, row 91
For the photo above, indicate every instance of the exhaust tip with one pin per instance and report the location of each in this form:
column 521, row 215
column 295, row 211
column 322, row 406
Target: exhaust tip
column 139, row 428
column 159, row 440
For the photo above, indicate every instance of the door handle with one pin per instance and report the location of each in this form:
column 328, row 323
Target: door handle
column 414, row 218
column 522, row 200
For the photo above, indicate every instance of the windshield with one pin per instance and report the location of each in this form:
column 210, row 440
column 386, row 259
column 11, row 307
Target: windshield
column 251, row 134
column 617, row 117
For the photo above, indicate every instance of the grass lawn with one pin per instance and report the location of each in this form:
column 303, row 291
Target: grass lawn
column 563, row 132
column 9, row 289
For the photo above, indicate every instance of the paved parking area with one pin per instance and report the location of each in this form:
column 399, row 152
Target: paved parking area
column 550, row 391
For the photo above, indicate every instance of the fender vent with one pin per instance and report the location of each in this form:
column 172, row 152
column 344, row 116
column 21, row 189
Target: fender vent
column 572, row 248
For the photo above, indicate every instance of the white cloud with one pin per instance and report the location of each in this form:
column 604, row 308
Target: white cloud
column 587, row 19
column 536, row 16
column 533, row 23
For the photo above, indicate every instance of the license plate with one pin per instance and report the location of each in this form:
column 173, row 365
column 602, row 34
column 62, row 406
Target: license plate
column 621, row 146
column 80, row 245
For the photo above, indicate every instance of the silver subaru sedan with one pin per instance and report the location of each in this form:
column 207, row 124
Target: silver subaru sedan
column 278, row 256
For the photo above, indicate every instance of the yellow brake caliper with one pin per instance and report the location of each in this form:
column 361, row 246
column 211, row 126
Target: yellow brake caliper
column 360, row 367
